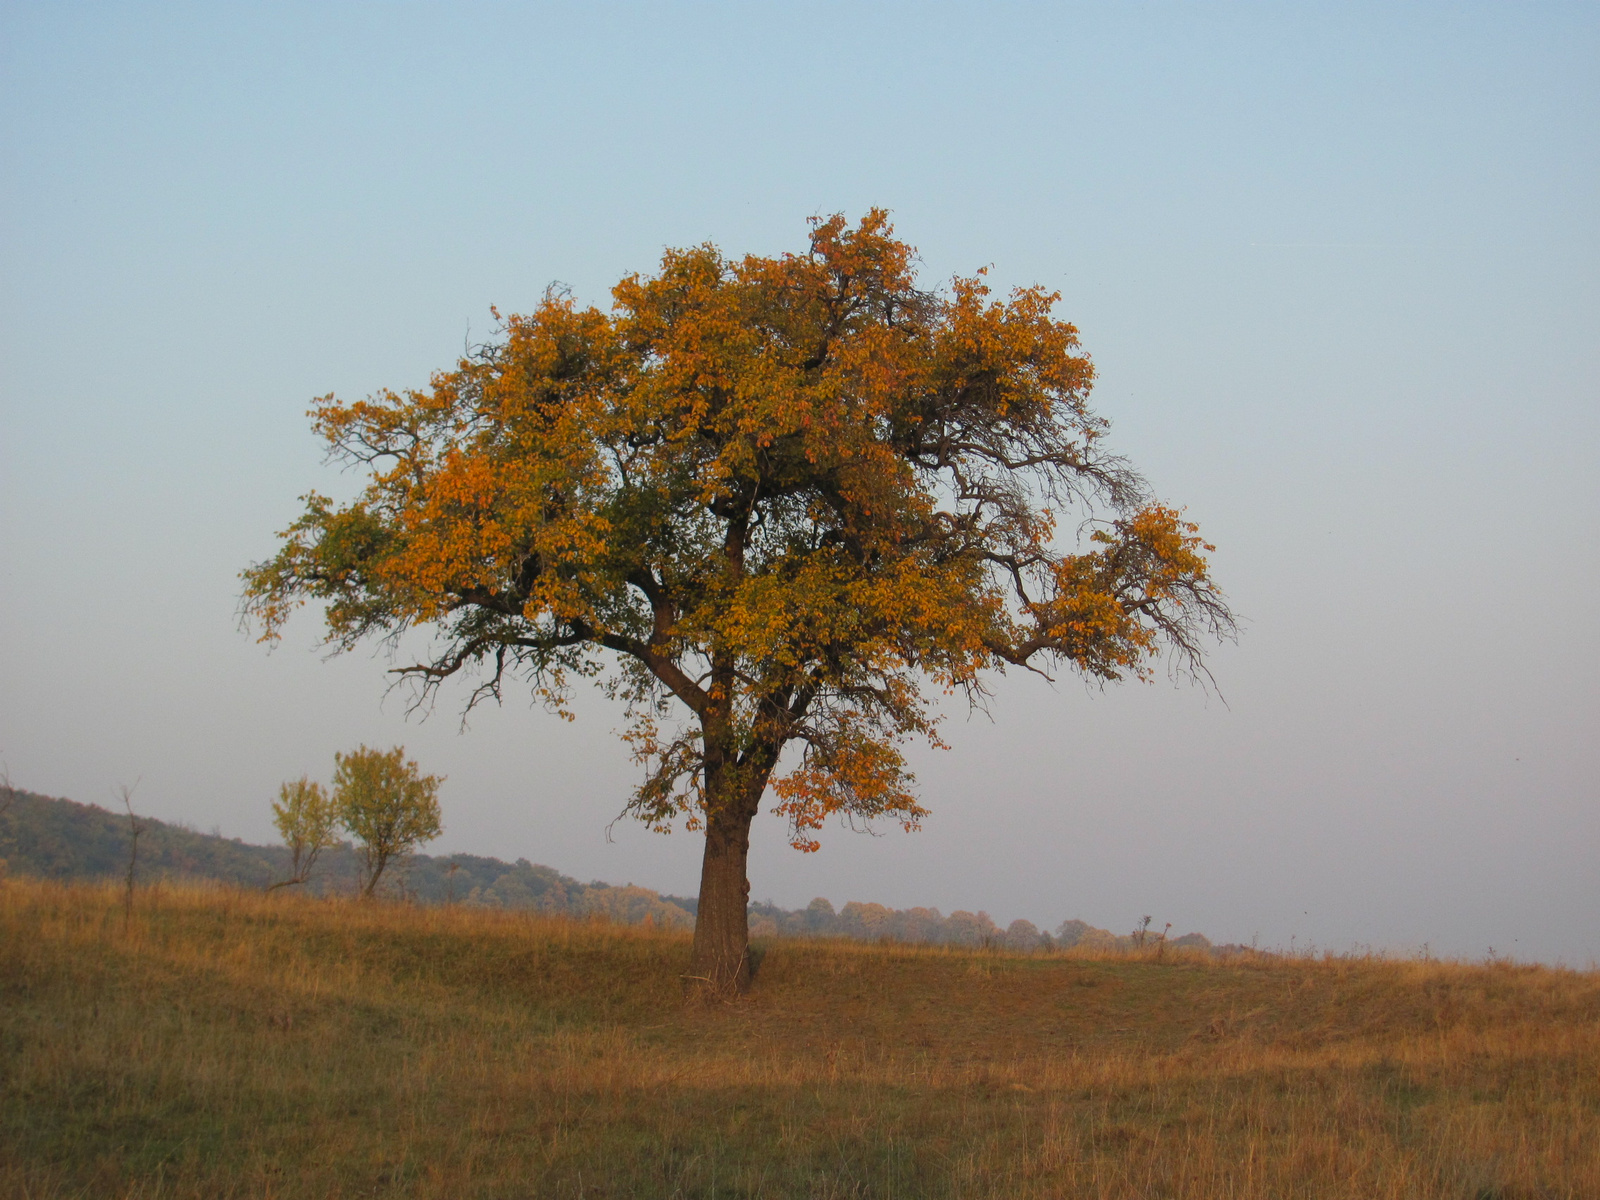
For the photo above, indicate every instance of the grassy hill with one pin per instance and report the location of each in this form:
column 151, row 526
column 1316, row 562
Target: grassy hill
column 224, row 1043
column 59, row 839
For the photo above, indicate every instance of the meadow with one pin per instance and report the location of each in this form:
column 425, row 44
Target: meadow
column 223, row 1043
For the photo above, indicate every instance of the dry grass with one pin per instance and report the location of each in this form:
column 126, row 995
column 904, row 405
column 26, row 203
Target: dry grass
column 233, row 1045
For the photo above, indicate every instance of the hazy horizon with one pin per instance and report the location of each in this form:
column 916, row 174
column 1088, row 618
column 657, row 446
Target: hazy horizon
column 1336, row 265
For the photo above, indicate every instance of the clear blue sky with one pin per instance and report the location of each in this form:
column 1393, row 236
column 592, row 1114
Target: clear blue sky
column 1339, row 266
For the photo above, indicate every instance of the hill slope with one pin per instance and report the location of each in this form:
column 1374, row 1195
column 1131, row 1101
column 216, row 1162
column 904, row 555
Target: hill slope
column 64, row 841
column 230, row 1044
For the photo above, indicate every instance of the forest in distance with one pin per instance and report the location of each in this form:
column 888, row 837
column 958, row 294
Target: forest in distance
column 65, row 841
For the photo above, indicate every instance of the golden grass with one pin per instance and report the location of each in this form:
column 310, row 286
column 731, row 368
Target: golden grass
column 227, row 1044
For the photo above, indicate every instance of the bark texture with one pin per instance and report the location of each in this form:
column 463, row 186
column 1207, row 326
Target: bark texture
column 722, row 925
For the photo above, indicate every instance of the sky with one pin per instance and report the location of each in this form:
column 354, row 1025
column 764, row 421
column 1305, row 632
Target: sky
column 1338, row 266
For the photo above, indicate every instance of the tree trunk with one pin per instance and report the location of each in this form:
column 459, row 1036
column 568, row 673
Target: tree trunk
column 722, row 922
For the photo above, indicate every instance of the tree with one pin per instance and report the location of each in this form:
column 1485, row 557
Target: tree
column 8, row 794
column 306, row 819
column 386, row 804
column 792, row 496
column 136, row 830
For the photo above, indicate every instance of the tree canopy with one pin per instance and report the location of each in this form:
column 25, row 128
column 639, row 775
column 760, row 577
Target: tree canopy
column 785, row 500
column 305, row 817
column 387, row 803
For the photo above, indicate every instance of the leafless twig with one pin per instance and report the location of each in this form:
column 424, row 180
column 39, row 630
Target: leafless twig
column 135, row 828
column 7, row 793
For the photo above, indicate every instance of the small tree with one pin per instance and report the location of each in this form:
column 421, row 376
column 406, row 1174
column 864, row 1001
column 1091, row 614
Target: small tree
column 135, row 831
column 7, row 792
column 306, row 820
column 8, row 796
column 389, row 807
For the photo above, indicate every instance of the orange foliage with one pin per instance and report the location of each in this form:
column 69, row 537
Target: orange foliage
column 784, row 492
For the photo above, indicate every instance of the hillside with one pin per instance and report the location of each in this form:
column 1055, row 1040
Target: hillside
column 231, row 1044
column 65, row 841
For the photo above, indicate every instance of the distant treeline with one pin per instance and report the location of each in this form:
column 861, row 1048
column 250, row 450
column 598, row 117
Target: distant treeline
column 875, row 922
column 64, row 840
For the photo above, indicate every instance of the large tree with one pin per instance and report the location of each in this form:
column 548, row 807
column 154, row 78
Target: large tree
column 784, row 499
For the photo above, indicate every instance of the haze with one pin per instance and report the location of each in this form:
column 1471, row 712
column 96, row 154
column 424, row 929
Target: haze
column 1337, row 266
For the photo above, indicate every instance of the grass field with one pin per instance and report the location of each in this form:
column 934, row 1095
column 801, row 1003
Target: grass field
column 228, row 1044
